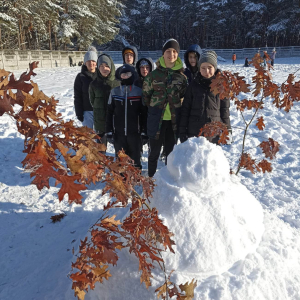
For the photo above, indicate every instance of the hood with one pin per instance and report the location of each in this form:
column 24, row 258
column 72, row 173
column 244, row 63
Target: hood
column 111, row 76
column 178, row 64
column 193, row 48
column 134, row 51
column 149, row 60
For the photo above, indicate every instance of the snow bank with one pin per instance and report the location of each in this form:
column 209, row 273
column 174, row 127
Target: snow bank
column 216, row 220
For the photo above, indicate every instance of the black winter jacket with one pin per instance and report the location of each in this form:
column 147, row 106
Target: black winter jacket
column 200, row 106
column 126, row 112
column 81, row 91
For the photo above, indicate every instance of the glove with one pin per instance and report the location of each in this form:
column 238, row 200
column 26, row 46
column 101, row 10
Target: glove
column 144, row 138
column 80, row 118
column 183, row 137
column 230, row 139
column 110, row 137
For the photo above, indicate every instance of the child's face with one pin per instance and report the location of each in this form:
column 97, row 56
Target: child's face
column 192, row 59
column 207, row 70
column 145, row 70
column 129, row 58
column 104, row 69
column 170, row 56
column 91, row 66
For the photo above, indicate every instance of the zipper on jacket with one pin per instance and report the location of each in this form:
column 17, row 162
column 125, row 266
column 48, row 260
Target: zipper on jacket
column 125, row 110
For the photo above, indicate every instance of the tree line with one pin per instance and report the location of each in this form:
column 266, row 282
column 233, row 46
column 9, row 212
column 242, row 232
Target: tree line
column 73, row 24
column 211, row 24
column 57, row 24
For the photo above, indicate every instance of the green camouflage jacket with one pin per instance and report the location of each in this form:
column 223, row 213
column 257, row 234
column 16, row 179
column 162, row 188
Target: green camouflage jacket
column 161, row 87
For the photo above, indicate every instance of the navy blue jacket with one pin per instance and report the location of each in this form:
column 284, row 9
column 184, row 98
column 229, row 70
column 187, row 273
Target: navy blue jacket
column 126, row 112
column 188, row 70
column 139, row 82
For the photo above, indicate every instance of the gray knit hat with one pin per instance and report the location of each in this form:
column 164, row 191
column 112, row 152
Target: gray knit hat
column 103, row 58
column 210, row 57
column 91, row 54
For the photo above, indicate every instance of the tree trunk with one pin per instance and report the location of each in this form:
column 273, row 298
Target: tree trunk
column 49, row 28
column 1, row 44
column 55, row 41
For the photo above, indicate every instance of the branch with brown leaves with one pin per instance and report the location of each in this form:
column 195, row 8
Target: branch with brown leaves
column 48, row 139
column 229, row 86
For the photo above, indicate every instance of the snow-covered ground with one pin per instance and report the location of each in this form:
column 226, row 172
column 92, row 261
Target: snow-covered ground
column 36, row 254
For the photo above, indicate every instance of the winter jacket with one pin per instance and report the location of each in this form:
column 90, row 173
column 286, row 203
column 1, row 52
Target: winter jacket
column 81, row 91
column 126, row 112
column 273, row 55
column 200, row 106
column 189, row 72
column 234, row 57
column 139, row 82
column 163, row 90
column 134, row 62
column 99, row 92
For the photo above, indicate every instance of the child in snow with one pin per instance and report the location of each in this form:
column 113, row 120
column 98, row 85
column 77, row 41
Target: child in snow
column 99, row 92
column 130, row 57
column 200, row 106
column 144, row 66
column 265, row 58
column 191, row 60
column 273, row 57
column 83, row 108
column 163, row 90
column 126, row 116
column 233, row 58
column 246, row 62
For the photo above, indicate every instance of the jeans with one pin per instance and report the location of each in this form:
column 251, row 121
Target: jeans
column 88, row 119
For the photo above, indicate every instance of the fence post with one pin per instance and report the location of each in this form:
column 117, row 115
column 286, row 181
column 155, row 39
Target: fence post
column 3, row 63
column 51, row 59
column 29, row 55
column 17, row 58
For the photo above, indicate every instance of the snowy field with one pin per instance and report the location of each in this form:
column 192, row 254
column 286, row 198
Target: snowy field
column 36, row 254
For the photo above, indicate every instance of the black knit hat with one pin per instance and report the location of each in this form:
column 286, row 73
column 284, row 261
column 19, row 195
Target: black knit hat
column 171, row 43
column 127, row 68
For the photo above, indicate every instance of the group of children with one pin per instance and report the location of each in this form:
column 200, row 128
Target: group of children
column 246, row 64
column 137, row 104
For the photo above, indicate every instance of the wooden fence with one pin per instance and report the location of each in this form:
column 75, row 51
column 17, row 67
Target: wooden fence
column 19, row 60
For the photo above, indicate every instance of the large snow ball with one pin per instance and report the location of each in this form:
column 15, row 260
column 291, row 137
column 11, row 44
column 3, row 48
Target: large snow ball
column 199, row 165
column 215, row 219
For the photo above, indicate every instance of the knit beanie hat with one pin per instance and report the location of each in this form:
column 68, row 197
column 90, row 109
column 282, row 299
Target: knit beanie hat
column 144, row 63
column 124, row 69
column 103, row 59
column 210, row 57
column 91, row 54
column 127, row 68
column 128, row 51
column 171, row 43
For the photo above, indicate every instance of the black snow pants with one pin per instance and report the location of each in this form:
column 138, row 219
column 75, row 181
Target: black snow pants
column 167, row 138
column 131, row 144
